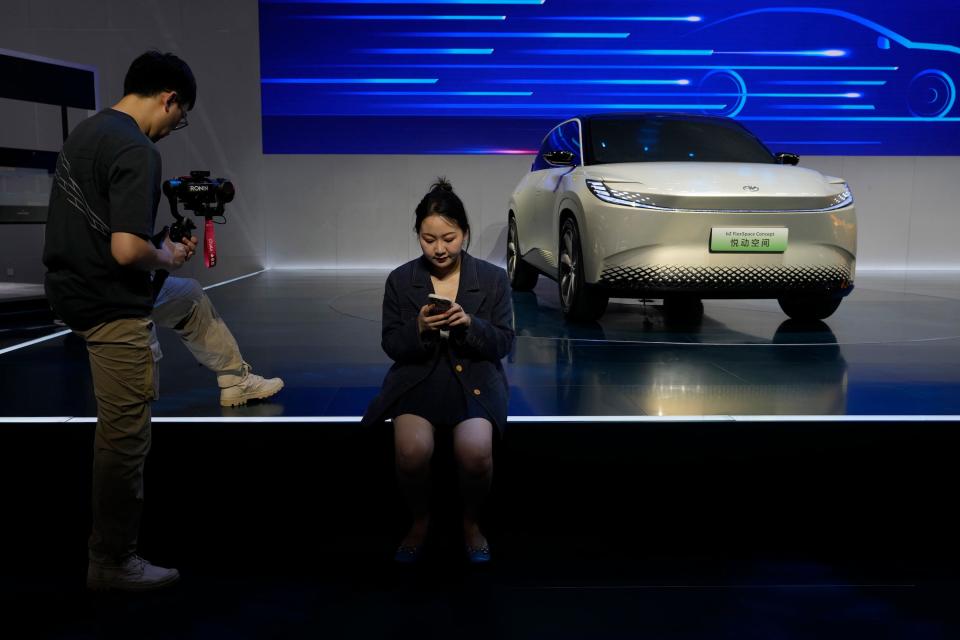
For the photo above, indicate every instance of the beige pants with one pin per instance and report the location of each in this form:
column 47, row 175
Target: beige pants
column 184, row 307
column 124, row 372
column 124, row 355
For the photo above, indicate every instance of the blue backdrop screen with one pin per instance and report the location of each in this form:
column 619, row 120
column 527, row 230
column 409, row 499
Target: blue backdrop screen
column 493, row 76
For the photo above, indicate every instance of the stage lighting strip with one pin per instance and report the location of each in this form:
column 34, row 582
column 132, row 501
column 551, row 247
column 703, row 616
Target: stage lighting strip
column 511, row 419
column 24, row 345
column 29, row 343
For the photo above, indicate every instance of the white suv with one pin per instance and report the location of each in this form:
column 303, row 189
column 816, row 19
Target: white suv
column 679, row 207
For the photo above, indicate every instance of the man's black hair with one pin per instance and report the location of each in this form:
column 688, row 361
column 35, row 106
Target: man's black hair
column 154, row 72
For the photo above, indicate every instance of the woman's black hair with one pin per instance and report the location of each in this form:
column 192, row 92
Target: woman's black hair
column 442, row 201
column 154, row 72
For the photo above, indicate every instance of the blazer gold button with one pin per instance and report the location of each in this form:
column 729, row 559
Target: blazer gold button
column 459, row 368
column 476, row 392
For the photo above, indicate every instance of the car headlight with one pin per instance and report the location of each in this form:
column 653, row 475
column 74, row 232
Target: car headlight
column 618, row 196
column 646, row 201
column 842, row 199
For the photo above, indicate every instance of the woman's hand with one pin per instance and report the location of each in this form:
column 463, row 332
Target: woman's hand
column 429, row 320
column 457, row 317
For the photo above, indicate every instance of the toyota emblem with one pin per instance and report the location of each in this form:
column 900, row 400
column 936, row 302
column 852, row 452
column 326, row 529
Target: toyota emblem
column 750, row 187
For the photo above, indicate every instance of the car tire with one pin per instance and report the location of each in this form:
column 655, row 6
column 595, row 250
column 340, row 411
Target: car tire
column 579, row 301
column 523, row 277
column 815, row 307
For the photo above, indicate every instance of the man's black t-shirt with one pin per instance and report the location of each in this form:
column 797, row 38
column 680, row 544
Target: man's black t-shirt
column 107, row 181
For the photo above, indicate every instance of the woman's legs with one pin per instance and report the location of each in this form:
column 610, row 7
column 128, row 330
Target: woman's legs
column 473, row 448
column 413, row 442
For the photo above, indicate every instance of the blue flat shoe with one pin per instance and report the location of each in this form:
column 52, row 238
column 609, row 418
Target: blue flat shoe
column 408, row 555
column 478, row 555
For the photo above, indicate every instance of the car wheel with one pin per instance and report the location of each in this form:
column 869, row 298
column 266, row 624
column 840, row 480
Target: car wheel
column 523, row 277
column 815, row 307
column 579, row 301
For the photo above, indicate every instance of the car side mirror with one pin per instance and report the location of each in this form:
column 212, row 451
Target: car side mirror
column 883, row 42
column 559, row 158
column 787, row 158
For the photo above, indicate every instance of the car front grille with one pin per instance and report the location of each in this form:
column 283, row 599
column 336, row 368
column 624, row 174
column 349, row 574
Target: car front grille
column 726, row 278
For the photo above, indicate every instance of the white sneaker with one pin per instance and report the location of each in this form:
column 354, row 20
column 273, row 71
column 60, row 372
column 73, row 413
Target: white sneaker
column 250, row 387
column 133, row 574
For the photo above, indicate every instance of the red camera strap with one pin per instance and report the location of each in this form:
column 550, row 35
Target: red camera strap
column 209, row 245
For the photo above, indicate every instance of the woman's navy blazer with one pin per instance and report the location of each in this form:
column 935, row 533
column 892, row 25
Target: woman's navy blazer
column 484, row 293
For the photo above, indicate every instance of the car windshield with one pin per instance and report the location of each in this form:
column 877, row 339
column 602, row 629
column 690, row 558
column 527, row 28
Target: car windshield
column 665, row 139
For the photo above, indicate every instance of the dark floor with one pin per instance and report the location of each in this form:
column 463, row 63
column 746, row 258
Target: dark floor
column 679, row 530
column 893, row 348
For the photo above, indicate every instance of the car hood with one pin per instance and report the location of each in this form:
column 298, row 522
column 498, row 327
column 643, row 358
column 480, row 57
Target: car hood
column 731, row 186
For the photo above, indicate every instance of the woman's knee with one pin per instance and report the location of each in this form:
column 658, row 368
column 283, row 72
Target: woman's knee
column 413, row 454
column 475, row 459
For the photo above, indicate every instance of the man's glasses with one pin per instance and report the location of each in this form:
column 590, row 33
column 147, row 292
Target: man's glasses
column 183, row 121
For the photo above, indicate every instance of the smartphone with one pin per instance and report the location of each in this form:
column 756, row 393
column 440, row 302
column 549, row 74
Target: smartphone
column 440, row 304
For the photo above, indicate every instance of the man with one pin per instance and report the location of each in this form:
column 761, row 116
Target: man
column 100, row 260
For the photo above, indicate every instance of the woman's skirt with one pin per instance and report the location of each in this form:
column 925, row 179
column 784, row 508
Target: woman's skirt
column 440, row 398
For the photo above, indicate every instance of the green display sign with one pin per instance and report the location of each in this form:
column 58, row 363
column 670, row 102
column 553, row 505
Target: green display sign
column 748, row 239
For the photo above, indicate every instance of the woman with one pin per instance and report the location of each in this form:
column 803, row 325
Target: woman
column 446, row 372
